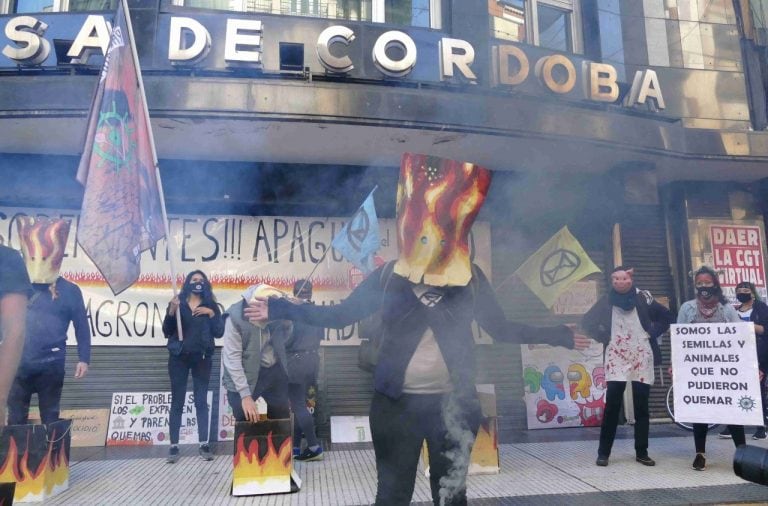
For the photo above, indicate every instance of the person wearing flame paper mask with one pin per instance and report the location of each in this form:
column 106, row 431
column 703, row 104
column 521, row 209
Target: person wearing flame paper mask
column 709, row 306
column 255, row 361
column 628, row 322
column 14, row 292
column 55, row 302
column 201, row 323
column 424, row 378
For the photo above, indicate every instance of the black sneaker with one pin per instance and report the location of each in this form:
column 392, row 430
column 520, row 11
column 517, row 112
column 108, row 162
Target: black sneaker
column 309, row 455
column 601, row 461
column 759, row 433
column 646, row 461
column 205, row 452
column 699, row 463
column 725, row 434
column 173, row 455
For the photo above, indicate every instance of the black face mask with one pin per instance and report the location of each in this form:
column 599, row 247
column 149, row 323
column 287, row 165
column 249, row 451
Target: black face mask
column 197, row 287
column 743, row 297
column 705, row 292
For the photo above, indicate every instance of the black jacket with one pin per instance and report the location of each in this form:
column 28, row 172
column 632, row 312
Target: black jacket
column 759, row 316
column 405, row 320
column 654, row 318
column 198, row 331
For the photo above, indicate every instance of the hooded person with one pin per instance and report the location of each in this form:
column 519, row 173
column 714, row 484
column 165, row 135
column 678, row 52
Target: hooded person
column 424, row 378
column 628, row 322
column 53, row 305
column 254, row 360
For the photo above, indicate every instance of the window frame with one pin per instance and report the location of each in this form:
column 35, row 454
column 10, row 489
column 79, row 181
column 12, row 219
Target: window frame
column 572, row 6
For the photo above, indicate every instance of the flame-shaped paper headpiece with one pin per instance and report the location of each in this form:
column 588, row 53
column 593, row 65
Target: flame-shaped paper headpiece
column 264, row 290
column 437, row 203
column 43, row 241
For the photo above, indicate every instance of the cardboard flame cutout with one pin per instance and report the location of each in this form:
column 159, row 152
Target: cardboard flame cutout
column 262, row 459
column 437, row 203
column 43, row 241
column 41, row 470
column 264, row 290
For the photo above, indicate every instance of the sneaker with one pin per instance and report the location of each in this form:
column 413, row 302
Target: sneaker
column 759, row 433
column 601, row 461
column 173, row 455
column 646, row 461
column 699, row 463
column 296, row 451
column 205, row 452
column 725, row 434
column 308, row 455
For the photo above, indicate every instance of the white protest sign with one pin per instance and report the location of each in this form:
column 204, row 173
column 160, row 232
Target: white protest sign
column 141, row 419
column 715, row 374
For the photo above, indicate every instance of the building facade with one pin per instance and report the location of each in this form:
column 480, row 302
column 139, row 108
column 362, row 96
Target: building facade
column 638, row 124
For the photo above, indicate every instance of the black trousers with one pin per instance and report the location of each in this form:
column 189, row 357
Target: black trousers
column 47, row 381
column 613, row 401
column 700, row 435
column 302, row 374
column 272, row 385
column 399, row 427
column 179, row 367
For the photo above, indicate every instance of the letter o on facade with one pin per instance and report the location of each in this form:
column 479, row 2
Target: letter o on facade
column 388, row 66
column 545, row 70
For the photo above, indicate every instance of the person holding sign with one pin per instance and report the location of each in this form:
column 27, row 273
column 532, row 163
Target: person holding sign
column 201, row 322
column 709, row 306
column 752, row 309
column 628, row 322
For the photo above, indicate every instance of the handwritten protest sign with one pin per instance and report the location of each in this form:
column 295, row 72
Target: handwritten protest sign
column 141, row 419
column 715, row 374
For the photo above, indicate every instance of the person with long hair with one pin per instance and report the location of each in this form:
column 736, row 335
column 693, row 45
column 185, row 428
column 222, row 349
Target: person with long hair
column 709, row 306
column 201, row 323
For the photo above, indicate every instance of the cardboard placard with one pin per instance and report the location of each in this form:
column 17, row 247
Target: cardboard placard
column 89, row 426
column 141, row 419
column 350, row 429
column 263, row 458
column 36, row 457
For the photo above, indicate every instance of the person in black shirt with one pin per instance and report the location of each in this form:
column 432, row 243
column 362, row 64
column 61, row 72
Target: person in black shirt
column 303, row 364
column 14, row 290
column 201, row 322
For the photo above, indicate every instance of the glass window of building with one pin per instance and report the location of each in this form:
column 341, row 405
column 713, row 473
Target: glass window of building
column 25, row 6
column 32, row 6
column 554, row 24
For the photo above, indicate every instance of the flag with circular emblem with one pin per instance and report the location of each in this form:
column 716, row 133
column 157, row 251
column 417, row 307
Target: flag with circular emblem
column 555, row 266
column 358, row 240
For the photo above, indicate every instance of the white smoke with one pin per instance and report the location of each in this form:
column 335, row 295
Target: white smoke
column 461, row 439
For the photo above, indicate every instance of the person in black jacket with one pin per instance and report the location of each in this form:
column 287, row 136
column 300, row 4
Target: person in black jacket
column 424, row 379
column 201, row 322
column 628, row 322
column 752, row 309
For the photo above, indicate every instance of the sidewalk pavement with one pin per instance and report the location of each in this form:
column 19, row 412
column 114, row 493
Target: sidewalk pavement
column 537, row 468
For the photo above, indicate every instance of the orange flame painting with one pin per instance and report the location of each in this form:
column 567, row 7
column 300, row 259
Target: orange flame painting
column 42, row 244
column 37, row 481
column 260, row 468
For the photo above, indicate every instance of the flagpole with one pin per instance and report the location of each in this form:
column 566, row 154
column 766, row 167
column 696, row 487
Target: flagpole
column 168, row 239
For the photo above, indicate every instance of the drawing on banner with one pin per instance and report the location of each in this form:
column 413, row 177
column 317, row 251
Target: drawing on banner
column 141, row 419
column 237, row 251
column 715, row 374
column 563, row 388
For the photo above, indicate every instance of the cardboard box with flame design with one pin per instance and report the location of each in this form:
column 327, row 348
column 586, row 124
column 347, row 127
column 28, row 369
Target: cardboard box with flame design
column 36, row 457
column 263, row 458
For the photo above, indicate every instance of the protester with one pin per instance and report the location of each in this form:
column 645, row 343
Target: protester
column 14, row 290
column 709, row 306
column 424, row 379
column 752, row 309
column 53, row 305
column 255, row 362
column 628, row 322
column 201, row 323
column 303, row 365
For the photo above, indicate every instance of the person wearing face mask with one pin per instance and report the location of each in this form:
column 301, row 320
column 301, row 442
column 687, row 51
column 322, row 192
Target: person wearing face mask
column 628, row 322
column 752, row 309
column 201, row 322
column 709, row 306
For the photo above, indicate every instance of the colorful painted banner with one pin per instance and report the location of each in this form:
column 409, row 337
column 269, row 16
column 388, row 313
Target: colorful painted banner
column 141, row 419
column 715, row 374
column 563, row 388
column 235, row 252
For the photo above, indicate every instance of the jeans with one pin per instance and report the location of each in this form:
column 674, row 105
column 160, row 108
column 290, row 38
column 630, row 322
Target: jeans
column 399, row 427
column 179, row 368
column 272, row 385
column 47, row 380
column 302, row 368
column 613, row 400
